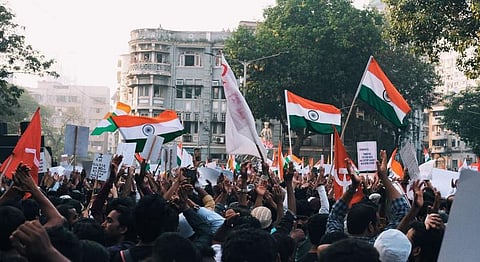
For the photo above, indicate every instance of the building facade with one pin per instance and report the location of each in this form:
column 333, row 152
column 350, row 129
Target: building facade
column 75, row 105
column 443, row 145
column 179, row 70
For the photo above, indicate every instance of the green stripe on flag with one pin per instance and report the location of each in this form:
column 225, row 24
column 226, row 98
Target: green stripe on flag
column 300, row 122
column 111, row 127
column 367, row 95
column 141, row 142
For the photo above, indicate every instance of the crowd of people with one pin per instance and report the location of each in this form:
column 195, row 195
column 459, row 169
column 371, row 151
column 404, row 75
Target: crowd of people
column 254, row 216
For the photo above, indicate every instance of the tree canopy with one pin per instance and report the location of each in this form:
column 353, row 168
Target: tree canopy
column 17, row 57
column 431, row 27
column 462, row 116
column 323, row 47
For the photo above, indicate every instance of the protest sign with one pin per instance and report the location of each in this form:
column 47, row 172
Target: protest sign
column 460, row 242
column 76, row 140
column 101, row 167
column 409, row 159
column 127, row 150
column 367, row 155
column 152, row 149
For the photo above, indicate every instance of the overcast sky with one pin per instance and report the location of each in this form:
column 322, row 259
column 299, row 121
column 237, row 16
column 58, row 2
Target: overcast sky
column 86, row 37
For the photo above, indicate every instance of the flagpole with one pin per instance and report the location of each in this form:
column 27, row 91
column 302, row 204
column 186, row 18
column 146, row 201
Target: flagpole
column 288, row 121
column 355, row 98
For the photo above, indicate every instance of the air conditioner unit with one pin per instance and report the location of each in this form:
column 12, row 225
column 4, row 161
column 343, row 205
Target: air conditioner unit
column 215, row 83
column 187, row 138
column 220, row 140
column 179, row 82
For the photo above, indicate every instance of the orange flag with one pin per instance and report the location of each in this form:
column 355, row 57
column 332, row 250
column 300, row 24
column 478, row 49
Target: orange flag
column 27, row 150
column 395, row 166
column 341, row 179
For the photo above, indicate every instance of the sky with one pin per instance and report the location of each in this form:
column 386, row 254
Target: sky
column 87, row 37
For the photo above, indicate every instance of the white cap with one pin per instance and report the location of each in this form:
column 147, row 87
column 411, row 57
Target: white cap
column 393, row 246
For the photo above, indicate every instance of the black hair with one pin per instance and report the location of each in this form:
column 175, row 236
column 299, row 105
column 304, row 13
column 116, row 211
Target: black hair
column 316, row 227
column 10, row 219
column 171, row 246
column 359, row 217
column 429, row 240
column 332, row 237
column 89, row 229
column 249, row 245
column 285, row 246
column 65, row 242
column 93, row 252
column 153, row 217
column 31, row 210
column 349, row 250
column 125, row 219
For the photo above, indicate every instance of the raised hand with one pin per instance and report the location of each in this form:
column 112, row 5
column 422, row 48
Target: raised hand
column 22, row 179
column 32, row 241
column 417, row 194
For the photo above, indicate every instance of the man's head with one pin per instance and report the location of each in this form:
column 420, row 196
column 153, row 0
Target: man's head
column 249, row 245
column 316, row 227
column 393, row 246
column 425, row 243
column 171, row 246
column 10, row 219
column 118, row 226
column 349, row 250
column 153, row 217
column 89, row 229
column 362, row 220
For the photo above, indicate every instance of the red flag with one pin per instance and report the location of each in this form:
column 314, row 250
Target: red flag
column 341, row 179
column 27, row 149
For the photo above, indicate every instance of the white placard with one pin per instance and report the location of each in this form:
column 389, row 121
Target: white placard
column 367, row 155
column 127, row 150
column 460, row 242
column 152, row 148
column 101, row 167
column 45, row 162
column 409, row 159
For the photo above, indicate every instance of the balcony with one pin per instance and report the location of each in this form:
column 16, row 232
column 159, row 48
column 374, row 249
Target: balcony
column 437, row 135
column 437, row 149
column 143, row 68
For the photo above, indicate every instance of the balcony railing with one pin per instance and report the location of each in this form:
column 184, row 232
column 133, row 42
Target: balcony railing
column 150, row 68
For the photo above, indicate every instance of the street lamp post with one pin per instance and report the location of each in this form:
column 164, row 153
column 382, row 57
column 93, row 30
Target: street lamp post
column 247, row 63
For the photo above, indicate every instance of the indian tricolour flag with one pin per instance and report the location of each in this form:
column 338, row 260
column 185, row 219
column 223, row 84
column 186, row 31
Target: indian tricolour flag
column 106, row 124
column 317, row 117
column 138, row 128
column 377, row 90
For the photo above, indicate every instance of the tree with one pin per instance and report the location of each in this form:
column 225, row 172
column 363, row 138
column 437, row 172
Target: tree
column 324, row 47
column 462, row 116
column 17, row 57
column 431, row 27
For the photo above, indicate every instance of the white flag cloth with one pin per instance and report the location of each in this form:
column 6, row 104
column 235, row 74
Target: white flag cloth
column 241, row 137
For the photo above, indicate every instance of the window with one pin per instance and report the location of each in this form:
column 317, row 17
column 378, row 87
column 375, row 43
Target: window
column 218, row 61
column 97, row 110
column 188, row 92
column 223, row 117
column 217, row 92
column 99, row 100
column 158, row 91
column 146, row 57
column 61, row 99
column 143, row 90
column 161, row 58
column 179, row 91
column 197, row 91
column 218, row 128
column 72, row 99
column 190, row 127
column 190, row 58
